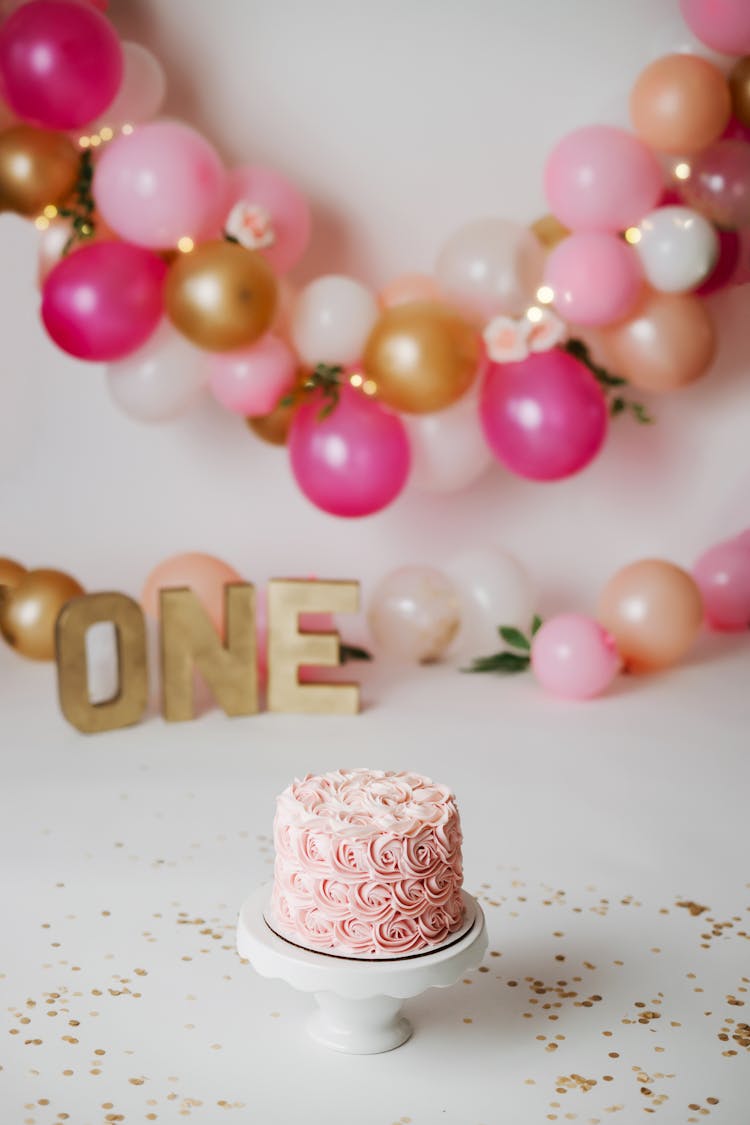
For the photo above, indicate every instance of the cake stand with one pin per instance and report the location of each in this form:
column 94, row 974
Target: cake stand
column 358, row 1001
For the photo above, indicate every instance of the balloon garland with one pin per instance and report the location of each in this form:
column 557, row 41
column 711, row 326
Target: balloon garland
column 160, row 263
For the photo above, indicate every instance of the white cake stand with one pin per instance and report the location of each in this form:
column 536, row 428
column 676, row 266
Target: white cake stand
column 359, row 1001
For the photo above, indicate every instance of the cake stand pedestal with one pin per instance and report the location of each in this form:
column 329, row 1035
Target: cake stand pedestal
column 359, row 1001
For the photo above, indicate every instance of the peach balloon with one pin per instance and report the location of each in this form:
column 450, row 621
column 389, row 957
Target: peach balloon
column 654, row 610
column 668, row 343
column 204, row 574
column 680, row 104
column 409, row 287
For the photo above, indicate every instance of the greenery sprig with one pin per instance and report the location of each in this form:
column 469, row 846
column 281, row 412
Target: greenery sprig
column 325, row 378
column 508, row 662
column 81, row 206
column 609, row 383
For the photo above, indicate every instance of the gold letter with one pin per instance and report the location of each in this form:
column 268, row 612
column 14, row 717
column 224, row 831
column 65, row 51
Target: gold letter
column 188, row 640
column 288, row 648
column 129, row 703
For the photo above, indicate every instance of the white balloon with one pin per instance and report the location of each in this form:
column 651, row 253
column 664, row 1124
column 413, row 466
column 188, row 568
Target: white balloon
column 491, row 266
column 494, row 589
column 331, row 320
column 141, row 92
column 448, row 449
column 678, row 248
column 414, row 614
column 162, row 379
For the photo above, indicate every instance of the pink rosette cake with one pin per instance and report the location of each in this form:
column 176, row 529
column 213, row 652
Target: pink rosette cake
column 368, row 864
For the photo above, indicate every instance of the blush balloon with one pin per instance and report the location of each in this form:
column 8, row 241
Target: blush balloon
column 595, row 277
column 204, row 574
column 680, row 103
column 60, row 63
column 353, row 462
column 141, row 93
column 574, row 657
column 159, row 184
column 601, row 178
column 104, row 301
column 545, row 417
column 251, row 382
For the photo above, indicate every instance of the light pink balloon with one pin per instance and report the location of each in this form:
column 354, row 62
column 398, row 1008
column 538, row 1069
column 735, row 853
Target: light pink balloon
column 743, row 539
column 723, row 25
column 573, row 656
column 601, row 178
column 353, row 462
column 448, row 450
column 723, row 577
column 141, row 92
column 160, row 183
column 596, row 278
column 251, row 382
column 288, row 209
column 409, row 287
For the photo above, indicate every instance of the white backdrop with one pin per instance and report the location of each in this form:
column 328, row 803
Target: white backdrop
column 590, row 830
column 401, row 121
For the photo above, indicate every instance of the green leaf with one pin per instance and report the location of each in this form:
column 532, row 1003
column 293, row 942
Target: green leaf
column 352, row 652
column 641, row 414
column 536, row 624
column 230, row 238
column 329, row 406
column 507, row 663
column 514, row 637
column 617, row 406
column 287, row 400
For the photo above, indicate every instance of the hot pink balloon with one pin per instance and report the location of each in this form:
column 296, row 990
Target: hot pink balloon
column 355, row 461
column 160, row 183
column 287, row 209
column 723, row 577
column 60, row 63
column 596, row 278
column 251, row 382
column 545, row 417
column 601, row 178
column 104, row 301
column 723, row 25
column 573, row 656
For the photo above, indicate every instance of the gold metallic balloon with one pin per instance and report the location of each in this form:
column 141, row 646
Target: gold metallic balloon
column 549, row 231
column 422, row 356
column 29, row 612
column 37, row 167
column 739, row 85
column 221, row 296
column 654, row 610
column 11, row 574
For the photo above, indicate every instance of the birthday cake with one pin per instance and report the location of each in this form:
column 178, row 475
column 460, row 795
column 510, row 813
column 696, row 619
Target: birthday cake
column 368, row 864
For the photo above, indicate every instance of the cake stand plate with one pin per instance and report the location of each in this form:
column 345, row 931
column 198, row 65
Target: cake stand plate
column 358, row 1001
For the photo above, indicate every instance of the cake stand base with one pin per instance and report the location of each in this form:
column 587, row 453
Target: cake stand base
column 359, row 1001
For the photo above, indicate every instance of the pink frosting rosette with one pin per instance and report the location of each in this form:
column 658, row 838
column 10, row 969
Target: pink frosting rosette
column 434, row 924
column 313, row 849
column 384, row 857
column 419, row 858
column 284, row 839
column 283, row 910
column 454, row 909
column 314, row 927
column 354, row 935
column 408, row 895
column 332, row 897
column 448, row 840
column 439, row 887
column 347, row 859
column 371, row 900
column 399, row 934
